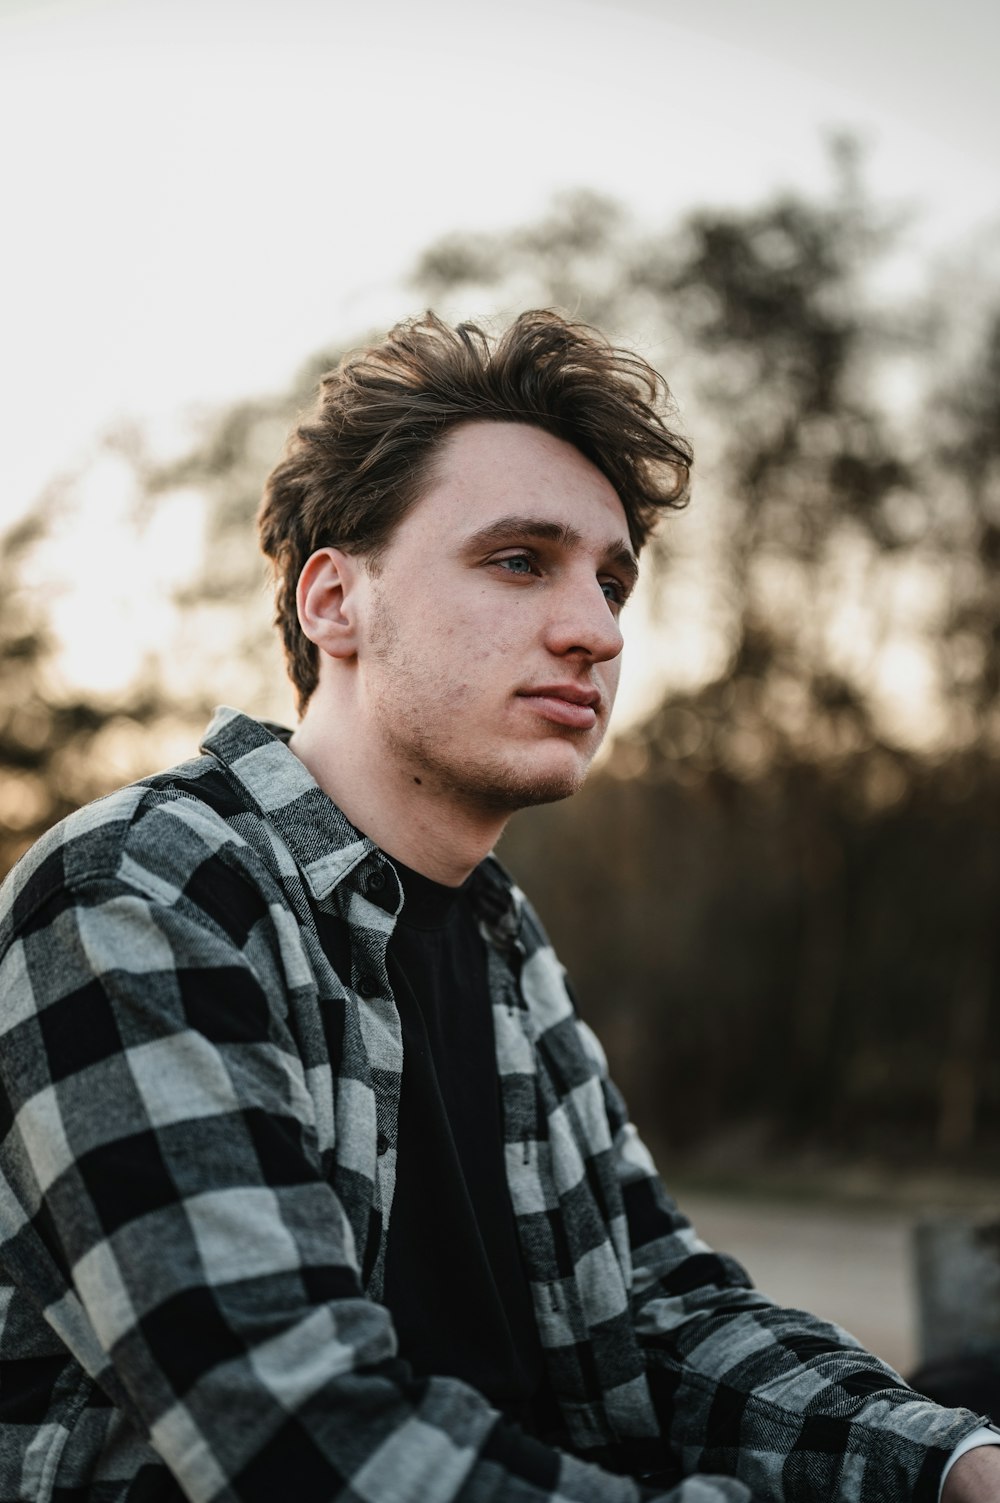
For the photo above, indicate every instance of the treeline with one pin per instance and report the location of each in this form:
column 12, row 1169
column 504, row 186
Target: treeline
column 778, row 896
column 779, row 965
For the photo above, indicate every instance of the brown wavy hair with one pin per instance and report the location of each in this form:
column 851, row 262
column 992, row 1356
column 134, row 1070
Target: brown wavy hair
column 363, row 455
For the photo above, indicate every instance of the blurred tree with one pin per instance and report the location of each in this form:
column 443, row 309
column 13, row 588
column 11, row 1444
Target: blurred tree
column 790, row 868
column 225, row 617
column 854, row 531
column 786, row 350
column 58, row 747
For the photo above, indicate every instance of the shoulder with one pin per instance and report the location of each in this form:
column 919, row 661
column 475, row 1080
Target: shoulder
column 155, row 837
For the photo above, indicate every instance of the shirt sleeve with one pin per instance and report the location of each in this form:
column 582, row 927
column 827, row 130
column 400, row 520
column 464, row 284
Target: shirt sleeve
column 791, row 1404
column 163, row 1201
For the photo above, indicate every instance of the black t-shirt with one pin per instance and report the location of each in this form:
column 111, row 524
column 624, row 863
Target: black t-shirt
column 454, row 1281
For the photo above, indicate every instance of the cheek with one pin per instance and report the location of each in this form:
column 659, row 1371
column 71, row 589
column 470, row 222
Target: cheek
column 477, row 649
column 486, row 637
column 611, row 673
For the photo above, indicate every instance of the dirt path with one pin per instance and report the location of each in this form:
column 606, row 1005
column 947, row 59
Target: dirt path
column 849, row 1265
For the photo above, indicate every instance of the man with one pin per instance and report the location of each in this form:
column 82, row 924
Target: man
column 313, row 1184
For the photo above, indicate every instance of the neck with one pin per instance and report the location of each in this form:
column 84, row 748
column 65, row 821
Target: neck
column 404, row 812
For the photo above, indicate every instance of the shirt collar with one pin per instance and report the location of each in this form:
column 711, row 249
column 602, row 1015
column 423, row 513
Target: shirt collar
column 324, row 844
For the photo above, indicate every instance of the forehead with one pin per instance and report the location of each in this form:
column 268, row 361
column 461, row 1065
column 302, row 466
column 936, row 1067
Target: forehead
column 485, row 469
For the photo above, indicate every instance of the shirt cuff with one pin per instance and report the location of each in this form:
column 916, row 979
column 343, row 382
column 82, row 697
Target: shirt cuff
column 986, row 1435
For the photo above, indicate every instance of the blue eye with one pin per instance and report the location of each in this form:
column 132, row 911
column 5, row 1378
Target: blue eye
column 614, row 593
column 518, row 564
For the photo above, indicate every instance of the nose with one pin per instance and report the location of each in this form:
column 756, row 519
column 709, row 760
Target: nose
column 583, row 623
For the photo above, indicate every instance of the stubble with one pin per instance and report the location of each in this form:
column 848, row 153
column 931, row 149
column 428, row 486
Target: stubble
column 421, row 725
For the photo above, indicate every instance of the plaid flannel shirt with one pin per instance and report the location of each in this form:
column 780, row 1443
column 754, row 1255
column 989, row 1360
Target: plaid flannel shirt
column 196, row 1179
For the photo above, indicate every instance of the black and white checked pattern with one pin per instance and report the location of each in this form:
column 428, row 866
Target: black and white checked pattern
column 200, row 1063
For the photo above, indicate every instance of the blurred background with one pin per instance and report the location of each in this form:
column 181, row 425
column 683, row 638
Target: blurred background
column 778, row 894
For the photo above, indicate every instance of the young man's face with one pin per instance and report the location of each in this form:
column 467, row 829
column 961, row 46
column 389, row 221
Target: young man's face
column 491, row 654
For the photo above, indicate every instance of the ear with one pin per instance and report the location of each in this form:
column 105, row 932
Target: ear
column 326, row 597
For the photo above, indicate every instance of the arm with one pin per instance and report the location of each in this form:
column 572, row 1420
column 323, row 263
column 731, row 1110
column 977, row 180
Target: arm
column 184, row 1241
column 974, row 1478
column 790, row 1404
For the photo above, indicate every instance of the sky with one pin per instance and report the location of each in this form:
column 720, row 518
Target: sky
column 198, row 194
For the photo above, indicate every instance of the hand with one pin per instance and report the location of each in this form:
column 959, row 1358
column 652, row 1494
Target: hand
column 975, row 1477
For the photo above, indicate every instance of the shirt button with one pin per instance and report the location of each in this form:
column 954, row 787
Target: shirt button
column 375, row 880
column 367, row 985
column 381, row 1143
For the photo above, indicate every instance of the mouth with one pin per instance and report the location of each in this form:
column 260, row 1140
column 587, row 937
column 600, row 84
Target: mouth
column 572, row 705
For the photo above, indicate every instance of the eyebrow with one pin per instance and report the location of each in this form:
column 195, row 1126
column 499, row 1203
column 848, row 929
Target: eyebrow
column 507, row 529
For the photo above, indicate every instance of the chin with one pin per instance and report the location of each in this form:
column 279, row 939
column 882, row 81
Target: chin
column 546, row 791
column 520, row 786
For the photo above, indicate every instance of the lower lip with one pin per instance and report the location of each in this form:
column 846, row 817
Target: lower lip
column 563, row 712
